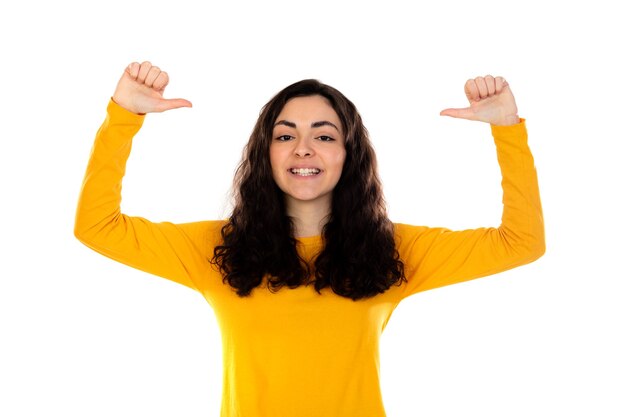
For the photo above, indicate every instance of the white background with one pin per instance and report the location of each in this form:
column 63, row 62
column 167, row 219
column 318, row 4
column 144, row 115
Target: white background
column 81, row 335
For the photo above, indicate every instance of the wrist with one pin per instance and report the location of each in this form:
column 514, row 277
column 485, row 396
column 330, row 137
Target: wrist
column 507, row 120
column 125, row 104
column 123, row 116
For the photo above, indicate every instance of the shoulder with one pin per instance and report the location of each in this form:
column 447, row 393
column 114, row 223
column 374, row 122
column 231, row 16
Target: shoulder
column 411, row 238
column 407, row 235
column 404, row 232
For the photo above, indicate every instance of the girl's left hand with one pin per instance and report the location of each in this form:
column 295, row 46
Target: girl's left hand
column 491, row 101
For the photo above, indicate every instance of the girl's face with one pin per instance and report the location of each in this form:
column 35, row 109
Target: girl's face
column 307, row 151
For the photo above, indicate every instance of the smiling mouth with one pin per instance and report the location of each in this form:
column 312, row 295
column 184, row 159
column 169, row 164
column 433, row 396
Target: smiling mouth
column 305, row 172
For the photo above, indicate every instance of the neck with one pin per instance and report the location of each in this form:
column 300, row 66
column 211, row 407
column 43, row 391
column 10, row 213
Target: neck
column 308, row 217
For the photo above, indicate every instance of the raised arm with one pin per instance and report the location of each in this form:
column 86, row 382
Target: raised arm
column 436, row 257
column 176, row 252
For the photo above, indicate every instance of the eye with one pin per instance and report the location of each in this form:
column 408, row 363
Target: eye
column 326, row 138
column 284, row 138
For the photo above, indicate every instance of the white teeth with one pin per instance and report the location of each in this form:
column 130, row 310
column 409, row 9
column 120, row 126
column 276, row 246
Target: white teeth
column 305, row 171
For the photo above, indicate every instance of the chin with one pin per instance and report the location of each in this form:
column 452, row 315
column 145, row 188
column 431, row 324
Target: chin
column 309, row 198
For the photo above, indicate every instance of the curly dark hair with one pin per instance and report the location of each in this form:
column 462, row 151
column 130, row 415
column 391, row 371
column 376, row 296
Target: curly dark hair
column 359, row 258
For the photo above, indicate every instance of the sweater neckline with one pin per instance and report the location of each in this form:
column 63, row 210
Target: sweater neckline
column 310, row 240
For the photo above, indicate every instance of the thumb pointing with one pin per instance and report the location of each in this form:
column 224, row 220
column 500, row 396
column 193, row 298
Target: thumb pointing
column 173, row 103
column 464, row 113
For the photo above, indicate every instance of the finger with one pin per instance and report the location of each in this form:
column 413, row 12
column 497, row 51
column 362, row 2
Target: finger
column 491, row 85
column 482, row 87
column 500, row 84
column 161, row 81
column 133, row 70
column 172, row 103
column 464, row 113
column 471, row 90
column 153, row 73
column 143, row 71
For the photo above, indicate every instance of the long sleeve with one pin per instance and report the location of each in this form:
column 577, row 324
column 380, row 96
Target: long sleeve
column 435, row 257
column 173, row 251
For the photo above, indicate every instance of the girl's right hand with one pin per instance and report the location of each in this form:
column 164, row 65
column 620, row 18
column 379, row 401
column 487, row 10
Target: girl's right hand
column 140, row 90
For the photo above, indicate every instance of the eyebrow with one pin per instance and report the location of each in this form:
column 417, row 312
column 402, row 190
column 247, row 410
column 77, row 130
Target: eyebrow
column 313, row 125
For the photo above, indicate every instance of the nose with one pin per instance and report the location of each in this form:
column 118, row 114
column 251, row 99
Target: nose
column 303, row 148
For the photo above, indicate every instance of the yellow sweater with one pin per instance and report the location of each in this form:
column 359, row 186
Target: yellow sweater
column 296, row 353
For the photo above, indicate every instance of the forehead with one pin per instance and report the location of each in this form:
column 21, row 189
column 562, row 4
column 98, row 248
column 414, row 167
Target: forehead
column 308, row 109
